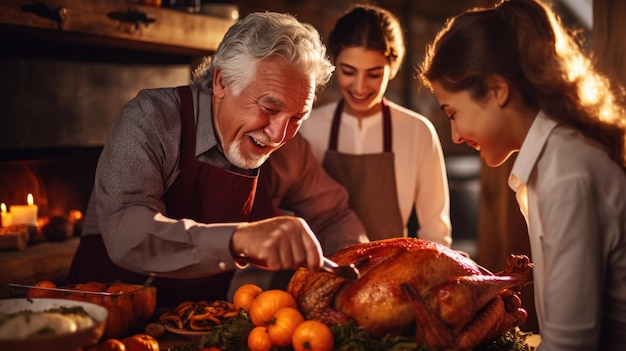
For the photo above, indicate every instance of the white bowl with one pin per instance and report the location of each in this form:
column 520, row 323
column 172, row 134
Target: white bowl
column 62, row 342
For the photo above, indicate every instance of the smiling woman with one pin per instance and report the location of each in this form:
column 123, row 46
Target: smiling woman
column 523, row 91
column 388, row 157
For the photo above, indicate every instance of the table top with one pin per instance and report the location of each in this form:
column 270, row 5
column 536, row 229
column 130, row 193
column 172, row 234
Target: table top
column 41, row 261
column 168, row 341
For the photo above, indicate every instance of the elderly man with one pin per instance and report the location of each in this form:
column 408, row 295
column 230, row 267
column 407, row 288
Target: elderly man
column 191, row 179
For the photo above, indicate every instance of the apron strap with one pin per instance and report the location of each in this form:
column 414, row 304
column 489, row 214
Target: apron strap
column 188, row 128
column 334, row 129
column 386, row 126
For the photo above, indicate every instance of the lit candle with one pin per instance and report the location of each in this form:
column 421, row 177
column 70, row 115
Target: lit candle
column 24, row 214
column 6, row 216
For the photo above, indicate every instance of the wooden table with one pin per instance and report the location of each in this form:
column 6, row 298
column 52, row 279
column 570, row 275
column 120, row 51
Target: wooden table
column 41, row 261
column 168, row 341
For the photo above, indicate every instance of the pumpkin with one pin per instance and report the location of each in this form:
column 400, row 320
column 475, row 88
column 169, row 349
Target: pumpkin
column 265, row 306
column 141, row 342
column 245, row 295
column 259, row 340
column 111, row 345
column 283, row 324
column 312, row 335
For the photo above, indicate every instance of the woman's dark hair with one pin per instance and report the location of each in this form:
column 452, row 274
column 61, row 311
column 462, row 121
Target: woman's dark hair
column 370, row 27
column 524, row 42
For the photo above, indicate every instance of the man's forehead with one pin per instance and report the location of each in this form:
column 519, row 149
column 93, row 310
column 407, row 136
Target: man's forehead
column 299, row 104
column 272, row 100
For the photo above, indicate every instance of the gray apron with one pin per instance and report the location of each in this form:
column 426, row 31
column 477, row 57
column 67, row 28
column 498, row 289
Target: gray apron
column 370, row 180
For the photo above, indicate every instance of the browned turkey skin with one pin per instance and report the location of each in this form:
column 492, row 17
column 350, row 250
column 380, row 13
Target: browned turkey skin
column 450, row 301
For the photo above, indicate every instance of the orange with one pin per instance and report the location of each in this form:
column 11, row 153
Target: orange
column 89, row 287
column 245, row 295
column 35, row 293
column 265, row 306
column 141, row 342
column 111, row 345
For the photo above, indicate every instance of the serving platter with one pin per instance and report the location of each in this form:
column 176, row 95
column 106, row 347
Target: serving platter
column 62, row 342
column 189, row 334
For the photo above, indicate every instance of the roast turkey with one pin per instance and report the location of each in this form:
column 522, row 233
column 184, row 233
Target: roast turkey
column 411, row 286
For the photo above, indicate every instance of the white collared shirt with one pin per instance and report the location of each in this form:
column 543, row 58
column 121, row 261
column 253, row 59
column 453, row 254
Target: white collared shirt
column 573, row 197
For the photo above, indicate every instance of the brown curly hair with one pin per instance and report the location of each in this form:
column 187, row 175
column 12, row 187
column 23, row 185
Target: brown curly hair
column 525, row 42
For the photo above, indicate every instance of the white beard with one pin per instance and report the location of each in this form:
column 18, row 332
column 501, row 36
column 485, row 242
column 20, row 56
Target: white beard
column 237, row 158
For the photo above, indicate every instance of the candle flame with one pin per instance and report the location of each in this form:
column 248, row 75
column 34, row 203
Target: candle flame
column 3, row 208
column 75, row 215
column 29, row 199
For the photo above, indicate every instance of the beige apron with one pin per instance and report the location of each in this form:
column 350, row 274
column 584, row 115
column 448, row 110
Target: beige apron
column 370, row 179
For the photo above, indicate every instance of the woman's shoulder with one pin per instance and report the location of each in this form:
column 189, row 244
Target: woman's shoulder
column 319, row 120
column 410, row 121
column 407, row 114
column 326, row 109
column 571, row 152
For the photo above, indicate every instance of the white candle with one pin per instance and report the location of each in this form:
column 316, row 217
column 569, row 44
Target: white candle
column 6, row 216
column 24, row 214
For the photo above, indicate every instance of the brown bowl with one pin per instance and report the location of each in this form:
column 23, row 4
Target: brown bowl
column 84, row 337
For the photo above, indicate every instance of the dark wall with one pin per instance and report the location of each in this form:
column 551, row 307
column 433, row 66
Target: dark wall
column 58, row 94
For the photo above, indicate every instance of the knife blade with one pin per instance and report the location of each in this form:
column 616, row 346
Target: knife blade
column 348, row 272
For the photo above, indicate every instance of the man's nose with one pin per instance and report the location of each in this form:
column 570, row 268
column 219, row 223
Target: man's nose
column 276, row 130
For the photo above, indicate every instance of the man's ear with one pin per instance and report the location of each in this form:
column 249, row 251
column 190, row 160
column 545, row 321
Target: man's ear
column 219, row 88
column 498, row 89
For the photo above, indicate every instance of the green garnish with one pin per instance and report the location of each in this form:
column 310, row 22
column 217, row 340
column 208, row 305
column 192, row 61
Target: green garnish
column 233, row 335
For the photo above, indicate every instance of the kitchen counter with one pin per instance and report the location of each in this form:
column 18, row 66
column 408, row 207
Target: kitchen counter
column 41, row 261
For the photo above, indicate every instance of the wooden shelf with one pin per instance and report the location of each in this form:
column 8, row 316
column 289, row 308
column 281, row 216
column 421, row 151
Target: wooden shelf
column 114, row 23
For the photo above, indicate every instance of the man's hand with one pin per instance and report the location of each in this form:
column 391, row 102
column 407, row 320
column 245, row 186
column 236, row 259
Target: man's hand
column 277, row 243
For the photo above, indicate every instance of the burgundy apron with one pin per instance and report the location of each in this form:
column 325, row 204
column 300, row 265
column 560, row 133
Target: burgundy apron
column 370, row 180
column 202, row 192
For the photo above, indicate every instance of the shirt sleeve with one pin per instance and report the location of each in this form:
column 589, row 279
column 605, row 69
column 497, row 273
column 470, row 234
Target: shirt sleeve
column 299, row 184
column 432, row 202
column 574, row 265
column 137, row 164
